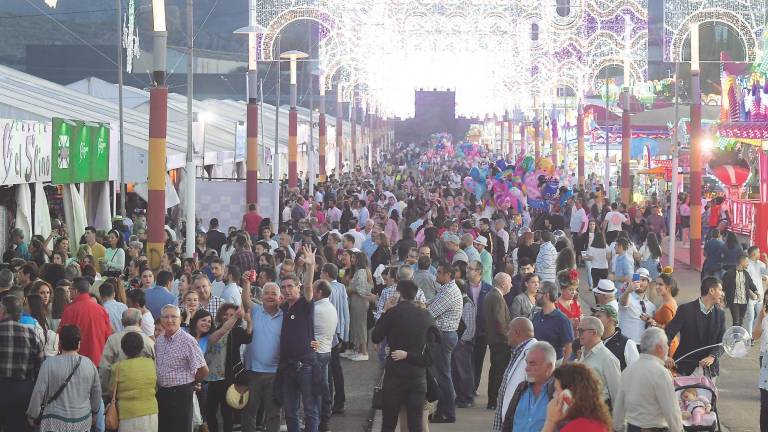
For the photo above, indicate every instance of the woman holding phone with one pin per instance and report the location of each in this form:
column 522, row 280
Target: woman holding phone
column 577, row 405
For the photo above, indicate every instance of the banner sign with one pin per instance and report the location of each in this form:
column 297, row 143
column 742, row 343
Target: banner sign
column 241, row 141
column 80, row 151
column 26, row 152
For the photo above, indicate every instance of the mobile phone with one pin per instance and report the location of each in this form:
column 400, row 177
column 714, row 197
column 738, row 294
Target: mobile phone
column 567, row 400
column 635, row 277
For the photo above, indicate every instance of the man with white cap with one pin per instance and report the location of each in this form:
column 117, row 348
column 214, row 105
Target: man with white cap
column 452, row 245
column 605, row 294
column 635, row 309
column 481, row 243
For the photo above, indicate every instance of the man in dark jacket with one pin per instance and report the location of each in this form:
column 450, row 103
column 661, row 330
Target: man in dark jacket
column 477, row 290
column 215, row 239
column 739, row 288
column 497, row 318
column 409, row 329
column 700, row 323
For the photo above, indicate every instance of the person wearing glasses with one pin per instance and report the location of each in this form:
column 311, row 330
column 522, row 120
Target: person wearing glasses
column 550, row 324
column 595, row 355
column 181, row 368
column 635, row 308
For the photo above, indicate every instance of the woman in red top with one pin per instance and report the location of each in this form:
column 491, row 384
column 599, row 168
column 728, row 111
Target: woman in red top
column 568, row 303
column 583, row 410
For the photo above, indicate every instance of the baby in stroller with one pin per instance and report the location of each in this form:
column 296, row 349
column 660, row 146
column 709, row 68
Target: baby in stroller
column 698, row 403
column 695, row 407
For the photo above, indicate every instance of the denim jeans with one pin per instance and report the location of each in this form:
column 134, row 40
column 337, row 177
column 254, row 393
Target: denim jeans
column 463, row 373
column 441, row 360
column 324, row 398
column 260, row 387
column 753, row 311
column 299, row 389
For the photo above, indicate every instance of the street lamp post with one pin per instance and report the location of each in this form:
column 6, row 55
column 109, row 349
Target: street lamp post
column 339, row 129
column 253, row 30
column 580, row 143
column 158, row 124
column 293, row 120
column 353, row 131
column 321, row 128
column 626, row 122
column 695, row 151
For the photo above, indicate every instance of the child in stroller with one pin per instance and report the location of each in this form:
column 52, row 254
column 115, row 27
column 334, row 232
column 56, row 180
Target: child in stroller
column 698, row 403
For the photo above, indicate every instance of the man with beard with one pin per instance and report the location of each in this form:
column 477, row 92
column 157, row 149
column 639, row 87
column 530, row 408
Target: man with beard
column 550, row 324
column 635, row 309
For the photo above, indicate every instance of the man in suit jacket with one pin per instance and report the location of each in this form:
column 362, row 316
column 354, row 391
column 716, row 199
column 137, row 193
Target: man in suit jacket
column 739, row 288
column 520, row 337
column 407, row 328
column 497, row 318
column 477, row 290
column 215, row 239
column 700, row 323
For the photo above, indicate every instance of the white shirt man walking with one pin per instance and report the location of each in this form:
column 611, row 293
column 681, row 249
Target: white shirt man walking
column 646, row 398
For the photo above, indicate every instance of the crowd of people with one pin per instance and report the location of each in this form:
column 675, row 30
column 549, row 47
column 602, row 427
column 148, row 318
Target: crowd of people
column 398, row 265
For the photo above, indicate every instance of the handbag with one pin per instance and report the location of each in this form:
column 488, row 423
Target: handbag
column 58, row 392
column 111, row 417
column 377, row 402
column 433, row 390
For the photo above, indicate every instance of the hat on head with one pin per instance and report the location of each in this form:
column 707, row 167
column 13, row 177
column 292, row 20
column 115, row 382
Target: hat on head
column 481, row 240
column 644, row 273
column 607, row 309
column 604, row 287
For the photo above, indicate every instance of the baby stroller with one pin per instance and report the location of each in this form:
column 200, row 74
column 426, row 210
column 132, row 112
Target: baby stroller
column 706, row 391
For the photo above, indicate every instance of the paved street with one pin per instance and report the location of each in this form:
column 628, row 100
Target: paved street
column 738, row 404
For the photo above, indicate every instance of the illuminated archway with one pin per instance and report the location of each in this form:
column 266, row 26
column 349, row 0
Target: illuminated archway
column 741, row 27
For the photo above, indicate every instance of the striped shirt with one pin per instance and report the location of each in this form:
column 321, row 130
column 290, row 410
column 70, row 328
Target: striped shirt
column 389, row 292
column 177, row 357
column 447, row 307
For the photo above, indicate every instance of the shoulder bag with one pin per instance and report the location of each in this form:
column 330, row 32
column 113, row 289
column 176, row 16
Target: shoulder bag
column 111, row 417
column 58, row 392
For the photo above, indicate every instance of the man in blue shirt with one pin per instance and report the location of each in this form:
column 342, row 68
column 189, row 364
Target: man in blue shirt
column 551, row 325
column 262, row 355
column 623, row 267
column 160, row 295
column 527, row 411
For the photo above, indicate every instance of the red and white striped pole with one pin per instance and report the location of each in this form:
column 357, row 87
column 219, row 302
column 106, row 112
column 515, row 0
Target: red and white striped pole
column 293, row 121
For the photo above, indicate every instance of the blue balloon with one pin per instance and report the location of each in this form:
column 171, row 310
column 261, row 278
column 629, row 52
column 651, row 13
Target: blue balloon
column 501, row 164
column 475, row 173
column 538, row 204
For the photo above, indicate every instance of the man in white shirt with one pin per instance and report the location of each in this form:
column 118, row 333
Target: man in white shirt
column 578, row 218
column 232, row 293
column 498, row 228
column 635, row 309
column 759, row 274
column 325, row 321
column 520, row 337
column 613, row 222
column 647, row 398
column 218, row 284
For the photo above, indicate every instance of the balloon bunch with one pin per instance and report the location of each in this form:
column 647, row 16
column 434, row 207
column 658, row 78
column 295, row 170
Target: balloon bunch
column 475, row 183
column 470, row 151
column 532, row 183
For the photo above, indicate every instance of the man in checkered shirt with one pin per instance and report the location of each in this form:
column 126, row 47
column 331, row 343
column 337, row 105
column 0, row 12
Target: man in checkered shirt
column 446, row 308
column 20, row 362
column 208, row 301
